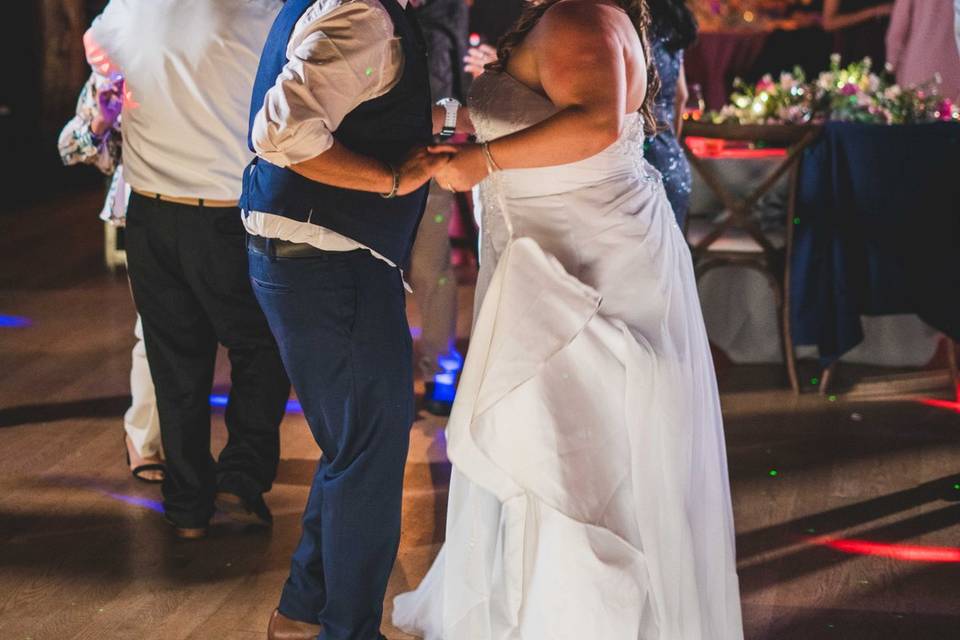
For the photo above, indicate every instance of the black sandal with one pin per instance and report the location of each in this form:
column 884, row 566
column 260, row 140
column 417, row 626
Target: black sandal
column 136, row 471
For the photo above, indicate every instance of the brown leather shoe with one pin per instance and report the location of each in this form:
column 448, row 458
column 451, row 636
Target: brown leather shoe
column 183, row 533
column 187, row 533
column 283, row 628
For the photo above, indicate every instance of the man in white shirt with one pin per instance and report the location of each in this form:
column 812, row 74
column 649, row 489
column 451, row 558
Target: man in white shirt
column 189, row 67
column 340, row 119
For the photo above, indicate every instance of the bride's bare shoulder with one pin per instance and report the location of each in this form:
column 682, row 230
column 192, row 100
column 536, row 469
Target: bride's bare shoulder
column 582, row 14
column 580, row 21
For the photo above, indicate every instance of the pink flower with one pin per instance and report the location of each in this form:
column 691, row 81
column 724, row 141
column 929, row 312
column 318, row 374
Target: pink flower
column 945, row 108
column 766, row 84
column 849, row 89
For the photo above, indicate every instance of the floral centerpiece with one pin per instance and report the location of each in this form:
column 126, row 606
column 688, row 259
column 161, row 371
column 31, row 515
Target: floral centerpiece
column 850, row 94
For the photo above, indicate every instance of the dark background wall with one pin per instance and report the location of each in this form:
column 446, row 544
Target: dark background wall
column 41, row 53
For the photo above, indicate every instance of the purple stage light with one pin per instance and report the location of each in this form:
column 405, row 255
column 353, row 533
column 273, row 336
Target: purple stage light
column 146, row 503
column 445, row 387
column 452, row 362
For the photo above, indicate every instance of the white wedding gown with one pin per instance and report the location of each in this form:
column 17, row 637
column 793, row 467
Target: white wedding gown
column 589, row 499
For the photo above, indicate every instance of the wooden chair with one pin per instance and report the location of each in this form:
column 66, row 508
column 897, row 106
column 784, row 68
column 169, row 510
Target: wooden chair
column 737, row 239
column 114, row 253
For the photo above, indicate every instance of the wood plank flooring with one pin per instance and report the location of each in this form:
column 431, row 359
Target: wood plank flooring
column 84, row 553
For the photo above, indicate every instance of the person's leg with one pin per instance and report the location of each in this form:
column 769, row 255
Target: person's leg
column 141, row 421
column 215, row 259
column 341, row 325
column 181, row 351
column 434, row 283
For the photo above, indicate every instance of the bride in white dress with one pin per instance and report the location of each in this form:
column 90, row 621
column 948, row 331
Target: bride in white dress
column 589, row 498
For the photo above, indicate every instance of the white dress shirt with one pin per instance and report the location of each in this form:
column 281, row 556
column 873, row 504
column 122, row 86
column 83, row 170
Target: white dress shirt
column 189, row 67
column 341, row 54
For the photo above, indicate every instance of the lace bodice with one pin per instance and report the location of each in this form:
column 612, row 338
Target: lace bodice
column 501, row 105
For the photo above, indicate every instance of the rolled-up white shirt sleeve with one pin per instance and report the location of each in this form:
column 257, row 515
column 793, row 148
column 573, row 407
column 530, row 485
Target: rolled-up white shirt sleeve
column 339, row 56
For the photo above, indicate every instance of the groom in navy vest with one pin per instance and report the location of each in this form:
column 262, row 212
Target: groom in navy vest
column 340, row 120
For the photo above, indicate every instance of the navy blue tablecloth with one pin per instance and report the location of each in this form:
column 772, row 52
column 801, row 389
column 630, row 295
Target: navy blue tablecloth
column 878, row 232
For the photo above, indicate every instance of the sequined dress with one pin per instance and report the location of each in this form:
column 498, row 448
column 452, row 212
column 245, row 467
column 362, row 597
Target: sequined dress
column 589, row 496
column 663, row 150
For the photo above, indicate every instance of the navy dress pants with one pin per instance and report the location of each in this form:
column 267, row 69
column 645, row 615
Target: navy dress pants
column 340, row 321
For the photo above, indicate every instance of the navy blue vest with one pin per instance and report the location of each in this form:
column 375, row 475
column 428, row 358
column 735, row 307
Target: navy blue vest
column 385, row 128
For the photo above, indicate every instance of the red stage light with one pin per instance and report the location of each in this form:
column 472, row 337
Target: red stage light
column 726, row 150
column 905, row 552
column 101, row 63
column 949, row 405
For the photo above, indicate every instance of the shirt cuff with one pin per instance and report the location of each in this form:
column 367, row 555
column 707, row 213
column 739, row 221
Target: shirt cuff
column 283, row 148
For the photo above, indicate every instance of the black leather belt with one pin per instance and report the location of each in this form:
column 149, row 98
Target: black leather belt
column 284, row 249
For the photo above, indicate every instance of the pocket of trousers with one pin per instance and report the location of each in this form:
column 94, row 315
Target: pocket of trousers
column 269, row 287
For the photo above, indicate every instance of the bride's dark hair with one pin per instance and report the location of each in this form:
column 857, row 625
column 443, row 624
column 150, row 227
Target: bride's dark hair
column 639, row 14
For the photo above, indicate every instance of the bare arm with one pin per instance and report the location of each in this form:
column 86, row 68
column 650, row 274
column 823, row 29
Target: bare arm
column 478, row 58
column 339, row 59
column 956, row 22
column 92, row 136
column 899, row 31
column 585, row 79
column 833, row 20
column 338, row 166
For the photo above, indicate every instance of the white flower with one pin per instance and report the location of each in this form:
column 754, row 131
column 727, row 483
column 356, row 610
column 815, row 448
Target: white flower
column 892, row 92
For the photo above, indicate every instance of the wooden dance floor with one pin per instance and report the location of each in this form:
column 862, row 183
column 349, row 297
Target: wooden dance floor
column 848, row 517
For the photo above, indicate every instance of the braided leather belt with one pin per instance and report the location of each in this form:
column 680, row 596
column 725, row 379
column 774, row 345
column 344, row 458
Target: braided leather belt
column 193, row 202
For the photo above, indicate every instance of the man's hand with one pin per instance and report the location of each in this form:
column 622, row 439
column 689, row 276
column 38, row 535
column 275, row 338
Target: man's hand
column 420, row 165
column 477, row 58
column 340, row 167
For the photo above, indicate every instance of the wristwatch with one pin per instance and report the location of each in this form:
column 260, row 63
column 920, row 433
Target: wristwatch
column 451, row 106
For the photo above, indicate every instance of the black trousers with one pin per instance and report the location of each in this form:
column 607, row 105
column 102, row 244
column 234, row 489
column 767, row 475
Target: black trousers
column 189, row 274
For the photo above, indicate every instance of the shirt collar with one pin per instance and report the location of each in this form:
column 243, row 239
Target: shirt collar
column 403, row 3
